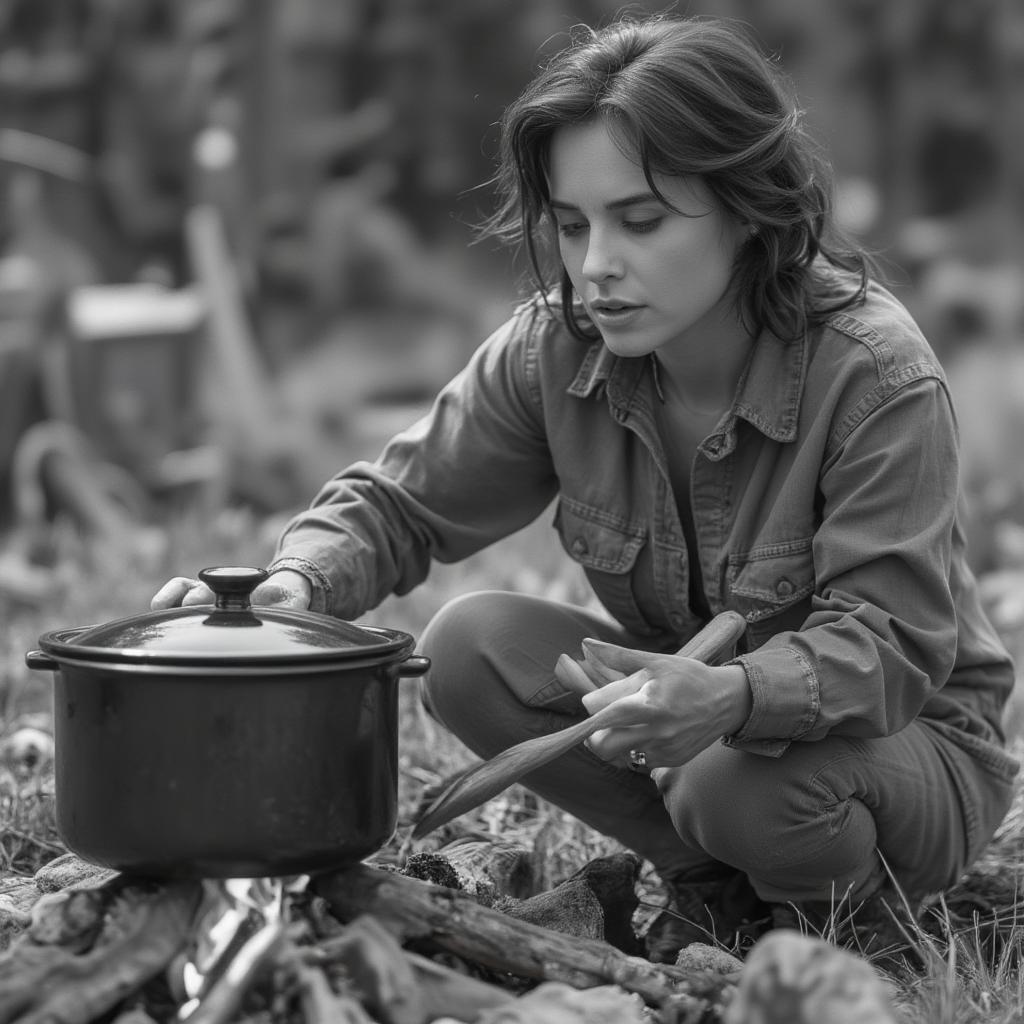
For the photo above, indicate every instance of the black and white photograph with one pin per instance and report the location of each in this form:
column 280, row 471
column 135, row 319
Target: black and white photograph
column 511, row 512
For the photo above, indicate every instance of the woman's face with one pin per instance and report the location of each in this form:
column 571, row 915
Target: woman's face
column 649, row 276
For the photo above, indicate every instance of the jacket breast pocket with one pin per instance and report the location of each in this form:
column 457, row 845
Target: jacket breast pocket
column 606, row 547
column 771, row 586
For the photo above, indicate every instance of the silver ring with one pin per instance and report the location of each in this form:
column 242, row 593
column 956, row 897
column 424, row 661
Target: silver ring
column 637, row 760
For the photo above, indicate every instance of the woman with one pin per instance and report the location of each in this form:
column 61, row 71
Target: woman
column 731, row 413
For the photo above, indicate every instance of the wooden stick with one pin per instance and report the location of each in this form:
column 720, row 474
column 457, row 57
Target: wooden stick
column 398, row 987
column 488, row 778
column 42, row 984
column 455, row 922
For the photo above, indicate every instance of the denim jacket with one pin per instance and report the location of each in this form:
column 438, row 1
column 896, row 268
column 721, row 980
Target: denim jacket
column 826, row 503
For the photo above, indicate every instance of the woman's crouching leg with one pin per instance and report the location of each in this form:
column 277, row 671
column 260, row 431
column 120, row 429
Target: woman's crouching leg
column 776, row 820
column 842, row 834
column 492, row 684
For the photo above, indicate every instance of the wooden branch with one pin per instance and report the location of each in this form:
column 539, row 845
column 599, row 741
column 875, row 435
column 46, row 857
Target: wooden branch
column 457, row 923
column 40, row 984
column 320, row 1005
column 399, row 987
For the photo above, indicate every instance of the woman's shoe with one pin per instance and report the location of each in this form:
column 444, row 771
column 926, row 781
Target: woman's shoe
column 717, row 911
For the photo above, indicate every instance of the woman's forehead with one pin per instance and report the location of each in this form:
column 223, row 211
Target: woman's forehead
column 592, row 163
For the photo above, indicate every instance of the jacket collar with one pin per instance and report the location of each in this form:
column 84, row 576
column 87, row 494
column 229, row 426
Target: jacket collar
column 768, row 396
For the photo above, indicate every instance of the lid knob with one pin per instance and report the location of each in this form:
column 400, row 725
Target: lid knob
column 232, row 585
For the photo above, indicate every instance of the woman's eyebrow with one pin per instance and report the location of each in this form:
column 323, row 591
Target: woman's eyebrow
column 616, row 204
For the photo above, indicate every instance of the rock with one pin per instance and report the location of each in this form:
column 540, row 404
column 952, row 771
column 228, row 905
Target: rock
column 17, row 895
column 571, row 908
column 505, row 867
column 698, row 956
column 68, row 870
column 71, row 918
column 597, row 902
column 27, row 750
column 789, row 978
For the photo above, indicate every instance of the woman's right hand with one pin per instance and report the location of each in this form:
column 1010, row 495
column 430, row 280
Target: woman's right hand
column 285, row 588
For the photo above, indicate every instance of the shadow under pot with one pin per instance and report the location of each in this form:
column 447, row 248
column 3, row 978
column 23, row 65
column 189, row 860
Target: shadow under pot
column 226, row 740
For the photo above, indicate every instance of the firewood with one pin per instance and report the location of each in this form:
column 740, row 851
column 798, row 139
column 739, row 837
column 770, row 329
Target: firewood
column 447, row 991
column 556, row 1003
column 380, row 974
column 320, row 1005
column 134, row 1015
column 144, row 928
column 597, row 902
column 457, row 923
column 399, row 987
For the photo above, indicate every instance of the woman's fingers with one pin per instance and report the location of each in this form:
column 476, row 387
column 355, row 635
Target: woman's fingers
column 286, row 589
column 614, row 745
column 280, row 595
column 573, row 676
column 181, row 591
column 614, row 662
column 617, row 690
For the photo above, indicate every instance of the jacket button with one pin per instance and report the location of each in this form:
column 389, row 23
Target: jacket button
column 784, row 587
column 579, row 546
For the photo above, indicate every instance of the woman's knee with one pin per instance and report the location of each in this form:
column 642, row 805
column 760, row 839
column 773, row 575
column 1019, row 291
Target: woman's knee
column 766, row 815
column 456, row 642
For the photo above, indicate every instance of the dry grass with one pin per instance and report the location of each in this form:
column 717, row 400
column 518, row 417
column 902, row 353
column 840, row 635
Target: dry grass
column 970, row 943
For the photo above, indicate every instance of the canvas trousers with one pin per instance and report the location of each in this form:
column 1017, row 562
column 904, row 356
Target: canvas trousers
column 825, row 819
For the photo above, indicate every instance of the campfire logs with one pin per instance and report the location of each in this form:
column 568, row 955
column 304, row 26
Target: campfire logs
column 366, row 944
column 361, row 940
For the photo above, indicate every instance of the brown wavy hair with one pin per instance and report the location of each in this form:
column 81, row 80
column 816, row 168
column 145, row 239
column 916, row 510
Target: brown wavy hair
column 688, row 96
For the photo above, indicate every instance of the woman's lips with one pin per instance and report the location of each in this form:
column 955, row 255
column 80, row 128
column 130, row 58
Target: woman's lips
column 614, row 315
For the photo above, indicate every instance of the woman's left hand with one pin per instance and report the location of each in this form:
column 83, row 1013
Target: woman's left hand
column 672, row 707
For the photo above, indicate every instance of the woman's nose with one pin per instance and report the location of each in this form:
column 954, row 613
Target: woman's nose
column 601, row 260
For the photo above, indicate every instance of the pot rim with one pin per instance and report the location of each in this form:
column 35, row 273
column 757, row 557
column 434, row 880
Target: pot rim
column 395, row 646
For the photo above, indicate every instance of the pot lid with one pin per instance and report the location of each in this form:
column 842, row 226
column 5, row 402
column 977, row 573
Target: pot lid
column 230, row 632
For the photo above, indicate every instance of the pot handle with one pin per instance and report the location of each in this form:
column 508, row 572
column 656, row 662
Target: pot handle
column 41, row 662
column 415, row 665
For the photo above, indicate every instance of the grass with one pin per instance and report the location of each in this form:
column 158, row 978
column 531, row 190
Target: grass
column 970, row 944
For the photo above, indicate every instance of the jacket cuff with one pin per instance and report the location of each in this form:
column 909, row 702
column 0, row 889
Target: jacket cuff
column 322, row 599
column 786, row 700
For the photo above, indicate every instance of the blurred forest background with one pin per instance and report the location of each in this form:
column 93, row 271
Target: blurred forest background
column 236, row 235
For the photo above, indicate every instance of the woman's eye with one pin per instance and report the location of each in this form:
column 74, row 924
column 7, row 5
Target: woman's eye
column 640, row 227
column 571, row 229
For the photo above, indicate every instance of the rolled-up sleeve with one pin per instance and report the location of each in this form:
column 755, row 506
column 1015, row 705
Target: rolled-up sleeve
column 472, row 471
column 881, row 636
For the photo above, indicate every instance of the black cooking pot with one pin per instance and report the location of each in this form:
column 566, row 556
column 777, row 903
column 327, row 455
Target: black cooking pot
column 226, row 741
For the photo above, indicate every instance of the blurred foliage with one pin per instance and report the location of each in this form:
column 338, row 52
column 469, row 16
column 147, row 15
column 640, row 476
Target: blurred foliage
column 345, row 150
